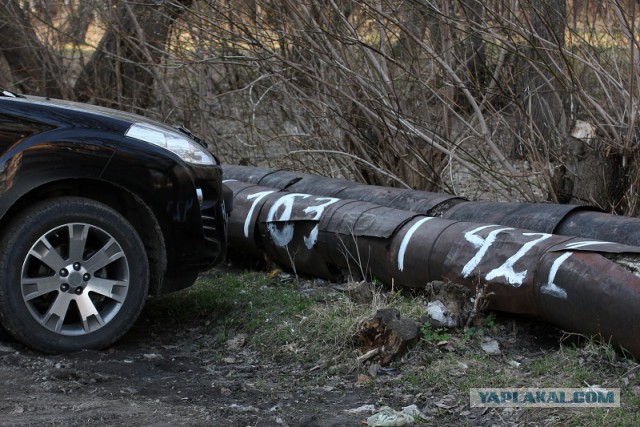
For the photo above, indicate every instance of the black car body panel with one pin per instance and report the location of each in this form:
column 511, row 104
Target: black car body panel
column 172, row 197
column 59, row 145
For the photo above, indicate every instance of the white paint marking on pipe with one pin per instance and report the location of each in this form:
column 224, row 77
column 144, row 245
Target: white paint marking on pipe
column 506, row 270
column 482, row 244
column 550, row 288
column 257, row 196
column 282, row 236
column 312, row 238
column 578, row 245
column 406, row 239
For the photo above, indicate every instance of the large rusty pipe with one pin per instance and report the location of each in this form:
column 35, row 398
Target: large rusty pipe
column 570, row 220
column 422, row 202
column 556, row 277
column 244, row 245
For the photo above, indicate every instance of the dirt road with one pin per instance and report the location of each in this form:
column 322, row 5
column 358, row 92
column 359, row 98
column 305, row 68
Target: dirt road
column 162, row 374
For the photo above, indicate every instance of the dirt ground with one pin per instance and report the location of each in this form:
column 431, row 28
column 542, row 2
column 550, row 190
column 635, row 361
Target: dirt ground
column 162, row 374
column 169, row 373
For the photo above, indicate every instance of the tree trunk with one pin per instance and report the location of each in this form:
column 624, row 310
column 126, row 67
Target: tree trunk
column 545, row 96
column 587, row 170
column 34, row 69
column 545, row 99
column 474, row 46
column 589, row 175
column 79, row 21
column 121, row 72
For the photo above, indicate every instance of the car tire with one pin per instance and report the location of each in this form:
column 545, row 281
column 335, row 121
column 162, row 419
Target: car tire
column 73, row 275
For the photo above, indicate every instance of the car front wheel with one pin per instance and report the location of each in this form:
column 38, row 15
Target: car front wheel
column 73, row 275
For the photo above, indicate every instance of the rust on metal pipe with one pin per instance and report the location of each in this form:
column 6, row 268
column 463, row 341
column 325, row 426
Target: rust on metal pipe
column 543, row 217
column 570, row 220
column 244, row 245
column 559, row 278
column 603, row 226
column 422, row 202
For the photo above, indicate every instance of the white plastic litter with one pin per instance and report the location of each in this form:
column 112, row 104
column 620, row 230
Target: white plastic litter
column 439, row 312
column 361, row 410
column 490, row 346
column 388, row 417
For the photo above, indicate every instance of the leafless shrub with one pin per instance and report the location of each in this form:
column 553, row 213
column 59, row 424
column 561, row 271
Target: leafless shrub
column 530, row 100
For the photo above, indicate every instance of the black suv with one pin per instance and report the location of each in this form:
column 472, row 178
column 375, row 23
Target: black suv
column 98, row 209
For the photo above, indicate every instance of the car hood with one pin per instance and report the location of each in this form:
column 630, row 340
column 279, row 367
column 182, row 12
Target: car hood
column 82, row 108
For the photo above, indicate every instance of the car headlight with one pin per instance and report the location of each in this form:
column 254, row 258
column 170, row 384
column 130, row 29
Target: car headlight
column 187, row 149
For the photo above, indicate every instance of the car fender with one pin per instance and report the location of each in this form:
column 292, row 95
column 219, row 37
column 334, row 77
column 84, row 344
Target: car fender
column 167, row 185
column 36, row 162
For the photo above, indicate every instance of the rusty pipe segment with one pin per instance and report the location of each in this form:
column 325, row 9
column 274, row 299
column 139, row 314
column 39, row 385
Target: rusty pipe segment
column 288, row 226
column 601, row 226
column 423, row 202
column 583, row 285
column 262, row 223
column 591, row 293
column 555, row 277
column 246, row 174
column 569, row 220
column 243, row 241
column 540, row 217
column 283, row 179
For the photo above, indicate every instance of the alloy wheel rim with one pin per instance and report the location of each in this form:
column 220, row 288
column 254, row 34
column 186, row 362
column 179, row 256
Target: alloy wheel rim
column 74, row 279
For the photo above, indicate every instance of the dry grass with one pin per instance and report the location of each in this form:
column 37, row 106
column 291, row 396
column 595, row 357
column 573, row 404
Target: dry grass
column 304, row 325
